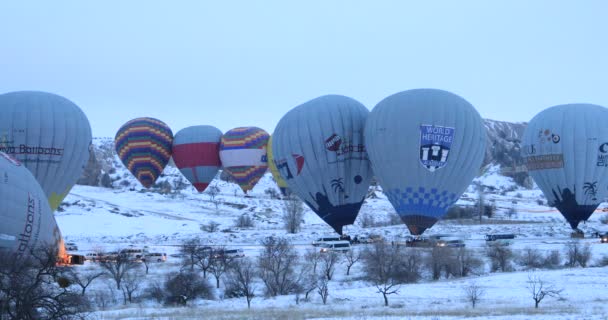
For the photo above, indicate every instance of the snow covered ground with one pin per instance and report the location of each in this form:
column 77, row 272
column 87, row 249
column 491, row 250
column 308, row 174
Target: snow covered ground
column 107, row 219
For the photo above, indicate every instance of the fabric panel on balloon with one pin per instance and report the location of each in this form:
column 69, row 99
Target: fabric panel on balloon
column 198, row 162
column 144, row 146
column 27, row 219
column 50, row 135
column 318, row 149
column 243, row 155
column 425, row 146
column 564, row 155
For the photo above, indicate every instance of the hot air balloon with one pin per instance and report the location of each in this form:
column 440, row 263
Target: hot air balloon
column 426, row 146
column 243, row 155
column 318, row 148
column 566, row 153
column 27, row 219
column 144, row 147
column 196, row 154
column 275, row 172
column 50, row 135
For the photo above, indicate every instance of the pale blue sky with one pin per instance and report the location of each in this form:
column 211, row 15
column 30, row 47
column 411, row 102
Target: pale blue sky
column 236, row 63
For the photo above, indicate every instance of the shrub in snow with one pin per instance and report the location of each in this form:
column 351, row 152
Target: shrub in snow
column 244, row 221
column 577, row 254
column 189, row 285
column 500, row 256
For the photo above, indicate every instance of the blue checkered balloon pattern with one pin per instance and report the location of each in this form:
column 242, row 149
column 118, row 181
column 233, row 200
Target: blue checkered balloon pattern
column 430, row 202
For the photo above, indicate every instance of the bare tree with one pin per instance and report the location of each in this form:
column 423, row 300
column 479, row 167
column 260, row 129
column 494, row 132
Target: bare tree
column 473, row 293
column 219, row 264
column 213, row 191
column 442, row 259
column 553, row 260
column 323, row 288
column 467, row 262
column 203, row 257
column 500, row 256
column 328, row 263
column 277, row 266
column 241, row 278
column 190, row 249
column 31, row 287
column 531, row 258
column 130, row 284
column 577, row 254
column 156, row 292
column 352, row 256
column 293, row 213
column 116, row 268
column 385, row 268
column 82, row 278
column 313, row 256
column 210, row 227
column 539, row 289
column 307, row 277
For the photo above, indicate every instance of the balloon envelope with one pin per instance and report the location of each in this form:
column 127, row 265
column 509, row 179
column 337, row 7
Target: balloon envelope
column 196, row 154
column 243, row 155
column 275, row 172
column 50, row 135
column 27, row 218
column 426, row 146
column 144, row 147
column 566, row 152
column 318, row 149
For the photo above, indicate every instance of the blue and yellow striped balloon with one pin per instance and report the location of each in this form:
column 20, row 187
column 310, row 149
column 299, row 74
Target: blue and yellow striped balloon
column 243, row 155
column 144, row 147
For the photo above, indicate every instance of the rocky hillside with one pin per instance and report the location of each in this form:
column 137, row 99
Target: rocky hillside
column 503, row 147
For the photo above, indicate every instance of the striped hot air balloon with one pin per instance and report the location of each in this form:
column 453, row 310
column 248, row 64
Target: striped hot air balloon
column 196, row 154
column 144, row 147
column 243, row 155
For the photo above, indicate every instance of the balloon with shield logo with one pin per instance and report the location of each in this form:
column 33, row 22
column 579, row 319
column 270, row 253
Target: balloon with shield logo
column 243, row 155
column 49, row 135
column 426, row 146
column 144, row 146
column 196, row 154
column 27, row 219
column 566, row 153
column 318, row 149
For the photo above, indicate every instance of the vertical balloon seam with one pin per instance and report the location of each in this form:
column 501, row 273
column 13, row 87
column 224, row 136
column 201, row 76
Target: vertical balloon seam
column 307, row 180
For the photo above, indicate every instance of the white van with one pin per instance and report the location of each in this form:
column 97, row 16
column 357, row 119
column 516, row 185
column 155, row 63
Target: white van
column 335, row 246
column 323, row 240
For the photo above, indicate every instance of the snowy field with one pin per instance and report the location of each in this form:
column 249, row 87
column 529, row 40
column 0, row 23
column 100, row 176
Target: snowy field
column 108, row 219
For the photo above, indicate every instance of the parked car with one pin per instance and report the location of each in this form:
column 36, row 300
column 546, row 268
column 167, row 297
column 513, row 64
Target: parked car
column 320, row 241
column 93, row 256
column 335, row 246
column 228, row 253
column 155, row 257
column 71, row 246
column 451, row 243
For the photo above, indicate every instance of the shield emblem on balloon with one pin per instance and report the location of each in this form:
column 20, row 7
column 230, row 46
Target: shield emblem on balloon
column 435, row 144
